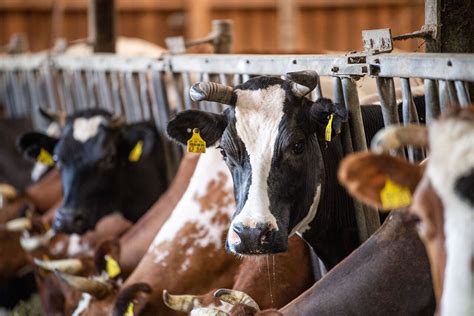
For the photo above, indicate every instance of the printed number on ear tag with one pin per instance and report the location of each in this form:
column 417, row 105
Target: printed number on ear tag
column 45, row 158
column 196, row 144
column 328, row 132
column 136, row 152
column 394, row 195
column 111, row 266
column 129, row 311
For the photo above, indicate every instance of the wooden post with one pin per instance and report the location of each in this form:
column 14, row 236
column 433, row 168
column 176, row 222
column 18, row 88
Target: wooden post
column 101, row 19
column 287, row 12
column 224, row 30
column 453, row 21
column 198, row 16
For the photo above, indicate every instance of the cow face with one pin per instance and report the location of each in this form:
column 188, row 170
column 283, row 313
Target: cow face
column 270, row 139
column 442, row 200
column 92, row 154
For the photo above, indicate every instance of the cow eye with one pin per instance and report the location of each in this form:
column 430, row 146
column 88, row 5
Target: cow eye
column 298, row 148
column 223, row 153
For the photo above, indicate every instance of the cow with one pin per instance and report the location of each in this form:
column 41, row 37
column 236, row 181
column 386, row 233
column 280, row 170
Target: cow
column 440, row 194
column 283, row 152
column 389, row 274
column 105, row 165
column 187, row 254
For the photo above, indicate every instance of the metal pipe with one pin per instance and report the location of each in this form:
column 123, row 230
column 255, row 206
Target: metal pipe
column 431, row 101
column 410, row 115
column 462, row 94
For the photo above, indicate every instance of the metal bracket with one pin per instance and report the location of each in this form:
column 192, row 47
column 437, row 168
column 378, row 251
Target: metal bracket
column 175, row 44
column 377, row 41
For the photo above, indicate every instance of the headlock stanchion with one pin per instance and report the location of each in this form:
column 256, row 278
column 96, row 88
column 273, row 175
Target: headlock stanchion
column 148, row 88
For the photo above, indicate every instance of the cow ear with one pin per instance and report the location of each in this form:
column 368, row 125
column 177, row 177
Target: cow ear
column 137, row 142
column 381, row 181
column 107, row 258
column 132, row 299
column 210, row 125
column 327, row 117
column 38, row 147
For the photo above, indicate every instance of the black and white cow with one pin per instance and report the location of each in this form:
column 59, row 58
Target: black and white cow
column 106, row 166
column 283, row 151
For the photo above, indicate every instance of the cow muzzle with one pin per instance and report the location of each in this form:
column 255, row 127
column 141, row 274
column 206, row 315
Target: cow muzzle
column 69, row 221
column 259, row 240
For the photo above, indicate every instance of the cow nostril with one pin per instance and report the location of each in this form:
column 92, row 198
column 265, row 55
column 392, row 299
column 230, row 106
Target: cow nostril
column 78, row 219
column 265, row 236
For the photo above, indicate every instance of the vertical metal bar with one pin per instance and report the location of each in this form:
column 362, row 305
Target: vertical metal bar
column 431, row 101
column 90, row 88
column 17, row 94
column 447, row 94
column 410, row 115
column 144, row 96
column 462, row 94
column 50, row 92
column 115, row 92
column 35, row 99
column 388, row 100
column 318, row 93
column 103, row 91
column 79, row 92
column 179, row 97
column 237, row 79
column 67, row 95
column 130, row 97
column 367, row 220
column 345, row 131
column 188, row 103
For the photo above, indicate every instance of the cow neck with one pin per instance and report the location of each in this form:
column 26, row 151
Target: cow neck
column 145, row 182
column 333, row 233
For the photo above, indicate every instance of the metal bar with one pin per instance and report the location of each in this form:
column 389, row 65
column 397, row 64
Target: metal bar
column 103, row 91
column 462, row 94
column 447, row 94
column 90, row 89
column 388, row 100
column 66, row 86
column 79, row 92
column 35, row 100
column 115, row 92
column 431, row 101
column 178, row 92
column 130, row 96
column 410, row 115
column 345, row 131
column 144, row 100
column 367, row 220
column 50, row 93
column 188, row 103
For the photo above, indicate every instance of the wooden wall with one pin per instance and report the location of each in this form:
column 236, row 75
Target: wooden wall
column 258, row 24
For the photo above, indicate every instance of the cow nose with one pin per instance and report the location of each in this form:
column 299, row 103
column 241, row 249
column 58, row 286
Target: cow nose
column 254, row 240
column 66, row 221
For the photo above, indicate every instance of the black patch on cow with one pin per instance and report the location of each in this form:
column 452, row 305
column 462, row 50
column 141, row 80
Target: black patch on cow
column 130, row 294
column 261, row 82
column 30, row 144
column 464, row 187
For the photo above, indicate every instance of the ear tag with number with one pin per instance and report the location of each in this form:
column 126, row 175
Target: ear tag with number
column 45, row 158
column 129, row 311
column 196, row 144
column 328, row 132
column 394, row 195
column 111, row 266
column 136, row 152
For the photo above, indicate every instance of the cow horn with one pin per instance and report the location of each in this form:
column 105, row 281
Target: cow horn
column 302, row 82
column 398, row 136
column 70, row 266
column 234, row 297
column 18, row 224
column 180, row 303
column 8, row 191
column 32, row 243
column 116, row 121
column 98, row 289
column 208, row 311
column 55, row 116
column 211, row 91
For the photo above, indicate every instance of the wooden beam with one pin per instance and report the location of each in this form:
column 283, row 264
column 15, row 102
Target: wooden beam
column 101, row 25
column 198, row 18
column 287, row 28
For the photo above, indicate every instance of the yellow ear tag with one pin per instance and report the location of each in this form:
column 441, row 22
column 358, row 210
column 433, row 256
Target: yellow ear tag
column 129, row 311
column 136, row 152
column 394, row 195
column 329, row 128
column 111, row 266
column 45, row 158
column 196, row 144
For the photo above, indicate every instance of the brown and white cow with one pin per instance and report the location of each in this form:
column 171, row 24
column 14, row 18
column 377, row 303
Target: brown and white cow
column 441, row 196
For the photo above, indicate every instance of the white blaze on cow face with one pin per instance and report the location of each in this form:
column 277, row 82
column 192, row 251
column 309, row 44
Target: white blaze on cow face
column 258, row 115
column 86, row 128
column 452, row 157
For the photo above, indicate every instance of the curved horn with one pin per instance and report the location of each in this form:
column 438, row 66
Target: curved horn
column 18, row 224
column 208, row 311
column 116, row 120
column 211, row 91
column 8, row 191
column 234, row 297
column 397, row 136
column 70, row 266
column 55, row 116
column 96, row 288
column 32, row 243
column 180, row 303
column 303, row 82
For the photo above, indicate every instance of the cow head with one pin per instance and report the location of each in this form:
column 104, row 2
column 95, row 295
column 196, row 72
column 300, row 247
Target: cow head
column 93, row 152
column 441, row 193
column 270, row 138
